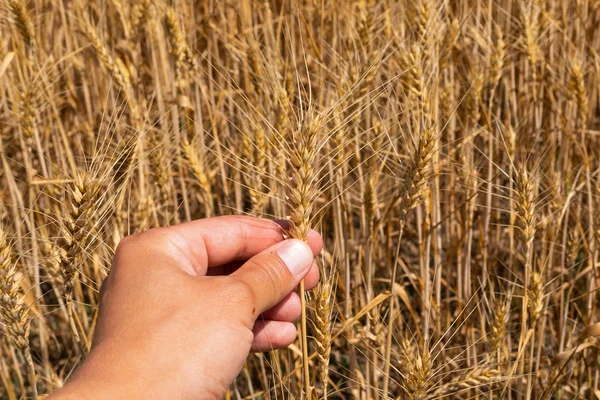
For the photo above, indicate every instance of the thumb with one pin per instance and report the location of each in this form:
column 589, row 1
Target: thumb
column 275, row 272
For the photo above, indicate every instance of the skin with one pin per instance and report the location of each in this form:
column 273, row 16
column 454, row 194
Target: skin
column 183, row 306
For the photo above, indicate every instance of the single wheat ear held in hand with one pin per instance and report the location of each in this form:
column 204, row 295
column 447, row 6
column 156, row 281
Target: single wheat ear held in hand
column 302, row 191
column 301, row 194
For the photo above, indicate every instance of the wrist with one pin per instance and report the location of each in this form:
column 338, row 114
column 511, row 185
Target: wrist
column 85, row 388
column 103, row 376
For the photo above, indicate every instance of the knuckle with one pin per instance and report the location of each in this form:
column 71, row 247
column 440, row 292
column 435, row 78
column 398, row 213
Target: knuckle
column 126, row 243
column 130, row 247
column 134, row 242
column 125, row 250
column 156, row 235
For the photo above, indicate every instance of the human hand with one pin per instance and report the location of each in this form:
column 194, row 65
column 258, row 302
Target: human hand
column 183, row 306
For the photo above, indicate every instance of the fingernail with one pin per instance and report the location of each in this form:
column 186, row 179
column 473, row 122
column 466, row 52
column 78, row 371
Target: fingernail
column 296, row 255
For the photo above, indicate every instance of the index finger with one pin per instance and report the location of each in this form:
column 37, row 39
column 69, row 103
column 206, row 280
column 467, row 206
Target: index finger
column 219, row 240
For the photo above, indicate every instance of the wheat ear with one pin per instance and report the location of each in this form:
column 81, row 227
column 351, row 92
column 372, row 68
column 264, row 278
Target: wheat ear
column 416, row 384
column 412, row 189
column 14, row 313
column 116, row 68
column 475, row 378
column 180, row 51
column 525, row 206
column 195, row 165
column 77, row 235
column 323, row 321
column 578, row 91
column 156, row 160
column 24, row 24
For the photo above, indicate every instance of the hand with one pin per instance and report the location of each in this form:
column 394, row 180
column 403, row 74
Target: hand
column 183, row 306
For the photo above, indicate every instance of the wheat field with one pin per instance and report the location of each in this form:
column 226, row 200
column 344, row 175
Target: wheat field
column 448, row 151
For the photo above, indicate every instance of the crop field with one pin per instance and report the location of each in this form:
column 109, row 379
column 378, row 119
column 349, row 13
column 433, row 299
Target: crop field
column 448, row 151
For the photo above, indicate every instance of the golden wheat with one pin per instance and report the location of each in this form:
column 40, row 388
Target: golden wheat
column 448, row 152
